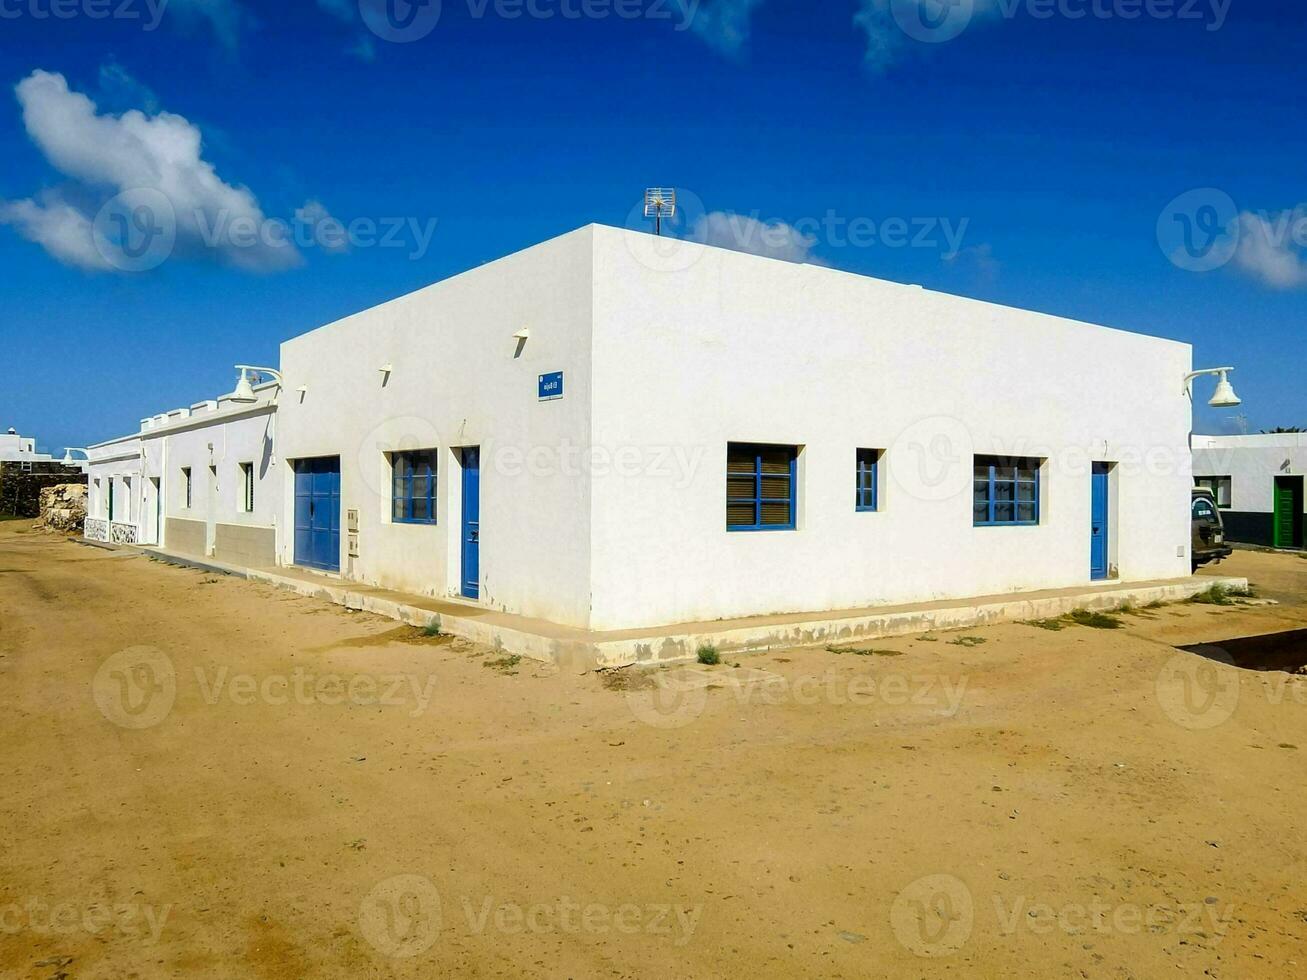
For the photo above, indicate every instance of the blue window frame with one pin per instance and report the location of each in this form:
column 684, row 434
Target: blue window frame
column 413, row 495
column 866, row 486
column 1006, row 491
column 760, row 487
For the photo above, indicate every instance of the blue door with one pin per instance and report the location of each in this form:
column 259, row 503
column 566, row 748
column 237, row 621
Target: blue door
column 317, row 513
column 472, row 522
column 1098, row 523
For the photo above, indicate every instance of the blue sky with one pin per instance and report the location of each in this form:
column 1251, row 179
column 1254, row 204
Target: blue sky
column 1032, row 159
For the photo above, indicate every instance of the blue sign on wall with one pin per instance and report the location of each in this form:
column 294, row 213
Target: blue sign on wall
column 551, row 386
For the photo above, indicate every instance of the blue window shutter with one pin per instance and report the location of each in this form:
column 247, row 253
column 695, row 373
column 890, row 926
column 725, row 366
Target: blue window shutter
column 761, row 487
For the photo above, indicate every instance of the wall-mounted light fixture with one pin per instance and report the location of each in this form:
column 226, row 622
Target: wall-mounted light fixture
column 244, row 388
column 1224, row 396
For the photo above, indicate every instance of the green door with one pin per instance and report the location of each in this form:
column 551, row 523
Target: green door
column 1288, row 512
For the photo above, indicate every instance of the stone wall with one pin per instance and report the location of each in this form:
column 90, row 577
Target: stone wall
column 21, row 484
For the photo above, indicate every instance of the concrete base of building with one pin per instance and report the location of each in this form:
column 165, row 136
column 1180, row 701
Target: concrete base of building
column 186, row 537
column 585, row 649
column 245, row 545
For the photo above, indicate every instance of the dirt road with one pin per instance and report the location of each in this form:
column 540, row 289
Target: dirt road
column 211, row 778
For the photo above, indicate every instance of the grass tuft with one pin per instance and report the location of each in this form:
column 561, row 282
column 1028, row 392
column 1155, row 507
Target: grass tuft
column 967, row 641
column 1222, row 595
column 1055, row 625
column 1094, row 620
column 431, row 629
column 708, row 655
column 505, row 665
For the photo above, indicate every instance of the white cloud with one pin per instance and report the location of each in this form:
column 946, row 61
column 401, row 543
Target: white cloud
column 1270, row 247
column 226, row 18
column 58, row 227
column 897, row 27
column 773, row 239
column 723, row 24
column 324, row 230
column 160, row 153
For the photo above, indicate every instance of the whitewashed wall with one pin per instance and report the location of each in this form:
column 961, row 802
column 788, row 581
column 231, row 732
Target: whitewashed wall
column 237, row 434
column 116, row 461
column 457, row 383
column 698, row 347
column 1252, row 462
column 606, row 509
column 166, row 443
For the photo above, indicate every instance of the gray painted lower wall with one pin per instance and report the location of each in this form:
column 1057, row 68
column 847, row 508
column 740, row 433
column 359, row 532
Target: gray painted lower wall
column 185, row 537
column 244, row 544
column 240, row 544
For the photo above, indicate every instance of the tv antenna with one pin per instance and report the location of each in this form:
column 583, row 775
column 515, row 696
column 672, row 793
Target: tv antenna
column 660, row 203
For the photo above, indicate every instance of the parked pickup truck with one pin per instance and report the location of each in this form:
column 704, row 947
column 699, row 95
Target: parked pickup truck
column 1207, row 530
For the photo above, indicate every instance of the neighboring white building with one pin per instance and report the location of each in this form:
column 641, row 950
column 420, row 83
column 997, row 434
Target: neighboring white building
column 204, row 476
column 1258, row 484
column 611, row 431
column 20, row 449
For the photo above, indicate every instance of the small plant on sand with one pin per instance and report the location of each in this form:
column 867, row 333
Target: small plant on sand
column 1155, row 604
column 431, row 629
column 1095, row 620
column 967, row 641
column 1055, row 625
column 1222, row 595
column 709, row 656
column 505, row 665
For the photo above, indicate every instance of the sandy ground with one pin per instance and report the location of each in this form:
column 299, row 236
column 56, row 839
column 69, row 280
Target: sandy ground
column 211, row 778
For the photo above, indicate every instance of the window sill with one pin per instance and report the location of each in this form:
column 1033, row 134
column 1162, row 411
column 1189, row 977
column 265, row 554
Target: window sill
column 409, row 520
column 753, row 530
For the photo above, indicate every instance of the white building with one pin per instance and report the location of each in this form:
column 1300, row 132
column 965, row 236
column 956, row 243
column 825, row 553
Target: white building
column 1258, row 484
column 612, row 431
column 20, row 449
column 200, row 481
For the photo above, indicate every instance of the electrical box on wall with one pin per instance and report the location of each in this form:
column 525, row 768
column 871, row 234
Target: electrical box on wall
column 352, row 531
